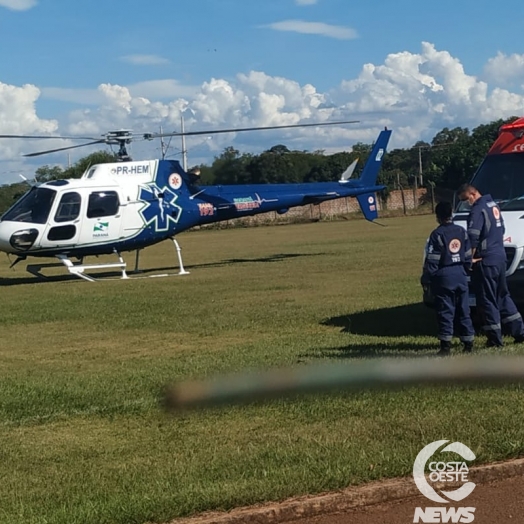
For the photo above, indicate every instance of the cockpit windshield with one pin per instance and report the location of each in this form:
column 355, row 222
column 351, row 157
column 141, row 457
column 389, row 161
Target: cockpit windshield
column 33, row 207
column 501, row 176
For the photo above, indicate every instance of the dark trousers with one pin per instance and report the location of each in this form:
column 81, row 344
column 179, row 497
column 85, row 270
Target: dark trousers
column 452, row 306
column 496, row 307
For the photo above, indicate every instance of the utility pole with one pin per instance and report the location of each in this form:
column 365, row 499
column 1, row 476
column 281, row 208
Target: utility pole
column 428, row 147
column 184, row 150
column 415, row 192
column 420, row 165
column 162, row 145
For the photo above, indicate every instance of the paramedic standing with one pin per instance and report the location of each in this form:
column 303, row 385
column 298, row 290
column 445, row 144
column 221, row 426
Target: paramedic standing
column 447, row 260
column 486, row 233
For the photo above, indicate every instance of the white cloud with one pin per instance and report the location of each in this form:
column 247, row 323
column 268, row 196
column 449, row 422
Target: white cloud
column 504, row 69
column 120, row 110
column 162, row 89
column 305, row 2
column 415, row 94
column 18, row 117
column 145, row 60
column 419, row 93
column 76, row 96
column 153, row 89
column 315, row 28
column 18, row 5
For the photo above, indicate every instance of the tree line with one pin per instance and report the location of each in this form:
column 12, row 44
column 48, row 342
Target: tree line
column 450, row 159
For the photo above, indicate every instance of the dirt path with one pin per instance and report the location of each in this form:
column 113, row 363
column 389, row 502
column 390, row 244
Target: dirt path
column 498, row 497
column 495, row 502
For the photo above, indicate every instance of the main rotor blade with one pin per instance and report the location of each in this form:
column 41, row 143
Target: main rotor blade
column 65, row 148
column 151, row 136
column 49, row 137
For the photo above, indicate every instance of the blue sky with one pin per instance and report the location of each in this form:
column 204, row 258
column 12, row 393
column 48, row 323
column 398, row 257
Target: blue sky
column 86, row 68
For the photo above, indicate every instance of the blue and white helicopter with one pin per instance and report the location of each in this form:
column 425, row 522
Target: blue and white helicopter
column 129, row 205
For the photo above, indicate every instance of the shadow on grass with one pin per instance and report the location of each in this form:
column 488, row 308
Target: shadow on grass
column 20, row 280
column 279, row 257
column 410, row 320
column 222, row 263
column 377, row 350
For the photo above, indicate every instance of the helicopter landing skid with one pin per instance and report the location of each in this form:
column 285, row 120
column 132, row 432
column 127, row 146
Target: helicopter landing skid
column 79, row 269
column 181, row 271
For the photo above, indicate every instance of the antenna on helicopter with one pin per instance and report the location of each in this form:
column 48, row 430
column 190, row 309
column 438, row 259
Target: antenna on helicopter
column 26, row 180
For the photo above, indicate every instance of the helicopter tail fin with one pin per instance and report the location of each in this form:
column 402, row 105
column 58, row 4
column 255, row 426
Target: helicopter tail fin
column 171, row 175
column 346, row 175
column 370, row 172
column 368, row 206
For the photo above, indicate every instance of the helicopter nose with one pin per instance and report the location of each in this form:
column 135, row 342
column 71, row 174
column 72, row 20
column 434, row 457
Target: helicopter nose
column 15, row 239
column 5, row 233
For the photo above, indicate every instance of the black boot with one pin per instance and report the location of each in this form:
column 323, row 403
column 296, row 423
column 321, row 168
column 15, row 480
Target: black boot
column 445, row 348
column 494, row 343
column 468, row 347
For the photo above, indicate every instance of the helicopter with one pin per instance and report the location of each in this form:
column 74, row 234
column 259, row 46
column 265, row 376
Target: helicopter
column 129, row 205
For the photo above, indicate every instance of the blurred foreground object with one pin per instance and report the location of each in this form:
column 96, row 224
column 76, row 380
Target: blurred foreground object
column 352, row 376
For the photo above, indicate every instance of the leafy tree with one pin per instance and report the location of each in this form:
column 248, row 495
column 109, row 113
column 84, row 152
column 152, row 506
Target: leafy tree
column 279, row 150
column 47, row 173
column 9, row 194
column 362, row 151
column 449, row 154
column 270, row 167
column 230, row 167
column 98, row 157
column 329, row 168
column 398, row 166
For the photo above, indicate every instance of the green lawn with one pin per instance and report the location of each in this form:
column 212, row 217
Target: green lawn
column 83, row 365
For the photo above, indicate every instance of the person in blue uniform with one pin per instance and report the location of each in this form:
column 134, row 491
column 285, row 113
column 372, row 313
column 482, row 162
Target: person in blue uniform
column 448, row 259
column 486, row 232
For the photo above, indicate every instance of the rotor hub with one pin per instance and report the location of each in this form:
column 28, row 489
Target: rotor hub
column 120, row 138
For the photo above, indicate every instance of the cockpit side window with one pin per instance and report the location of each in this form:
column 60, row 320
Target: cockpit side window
column 69, row 207
column 103, row 204
column 33, row 207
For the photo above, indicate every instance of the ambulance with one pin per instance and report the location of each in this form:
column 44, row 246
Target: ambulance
column 501, row 174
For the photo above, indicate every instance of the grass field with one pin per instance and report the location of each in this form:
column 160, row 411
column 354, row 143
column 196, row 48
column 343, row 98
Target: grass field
column 84, row 439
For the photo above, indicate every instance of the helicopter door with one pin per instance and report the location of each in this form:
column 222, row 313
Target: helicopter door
column 63, row 227
column 103, row 218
